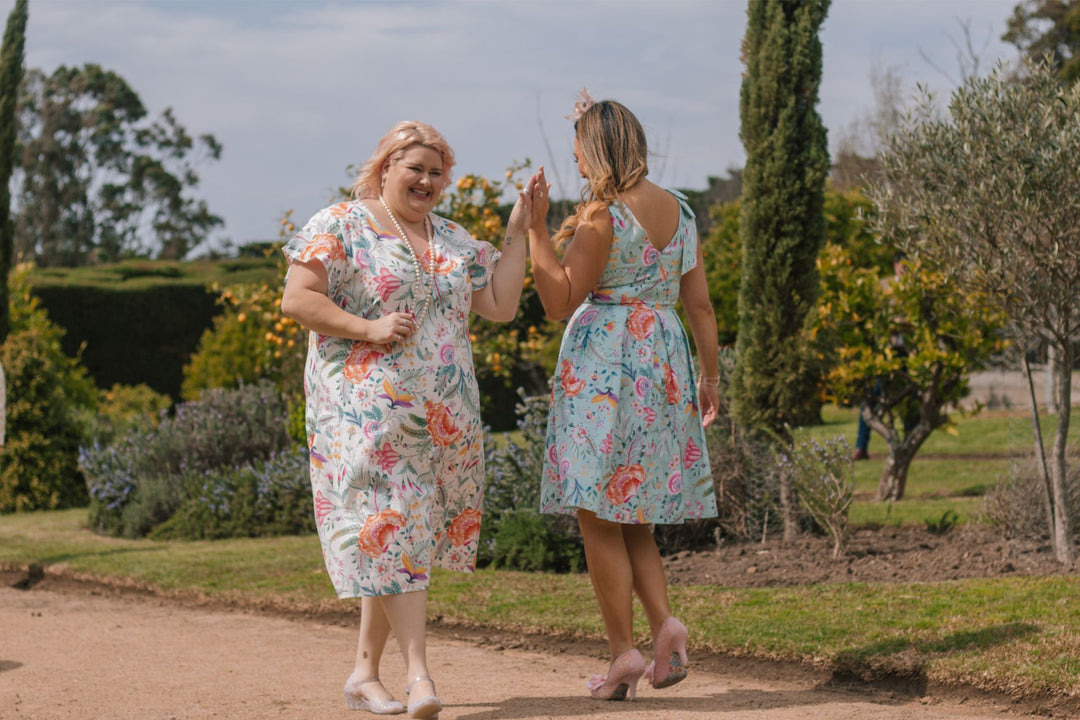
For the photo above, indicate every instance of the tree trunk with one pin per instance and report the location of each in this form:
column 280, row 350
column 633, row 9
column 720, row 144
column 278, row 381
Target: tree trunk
column 1040, row 448
column 901, row 453
column 1050, row 380
column 1061, row 529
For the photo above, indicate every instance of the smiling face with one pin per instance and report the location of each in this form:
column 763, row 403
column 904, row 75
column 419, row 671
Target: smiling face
column 414, row 180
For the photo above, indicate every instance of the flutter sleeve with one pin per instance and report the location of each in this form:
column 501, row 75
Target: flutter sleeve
column 321, row 239
column 479, row 256
column 688, row 228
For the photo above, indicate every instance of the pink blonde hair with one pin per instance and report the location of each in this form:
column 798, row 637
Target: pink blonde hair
column 402, row 136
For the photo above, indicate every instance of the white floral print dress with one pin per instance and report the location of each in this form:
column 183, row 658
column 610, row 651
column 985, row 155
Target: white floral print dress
column 624, row 436
column 394, row 431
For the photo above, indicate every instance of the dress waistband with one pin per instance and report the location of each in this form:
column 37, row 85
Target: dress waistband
column 614, row 302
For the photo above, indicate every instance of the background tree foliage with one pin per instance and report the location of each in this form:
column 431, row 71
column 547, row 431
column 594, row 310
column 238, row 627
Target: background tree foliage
column 99, row 180
column 1044, row 29
column 782, row 224
column 11, row 73
column 990, row 196
column 902, row 348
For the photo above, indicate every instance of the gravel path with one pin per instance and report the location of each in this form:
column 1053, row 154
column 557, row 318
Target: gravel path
column 101, row 654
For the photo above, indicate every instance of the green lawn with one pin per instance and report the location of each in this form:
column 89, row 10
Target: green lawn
column 1014, row 635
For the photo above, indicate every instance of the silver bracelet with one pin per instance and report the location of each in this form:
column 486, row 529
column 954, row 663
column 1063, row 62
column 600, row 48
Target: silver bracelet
column 709, row 381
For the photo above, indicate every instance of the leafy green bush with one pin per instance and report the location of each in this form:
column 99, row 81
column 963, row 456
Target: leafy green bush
column 45, row 390
column 514, row 534
column 143, row 476
column 526, row 540
column 270, row 497
column 250, row 341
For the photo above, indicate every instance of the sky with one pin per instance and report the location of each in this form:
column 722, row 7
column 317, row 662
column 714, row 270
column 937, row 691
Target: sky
column 297, row 91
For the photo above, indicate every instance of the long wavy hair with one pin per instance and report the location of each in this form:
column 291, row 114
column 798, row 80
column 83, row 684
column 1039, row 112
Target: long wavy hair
column 613, row 146
column 402, row 136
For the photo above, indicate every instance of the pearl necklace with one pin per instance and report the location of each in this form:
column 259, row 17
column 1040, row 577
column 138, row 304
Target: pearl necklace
column 418, row 284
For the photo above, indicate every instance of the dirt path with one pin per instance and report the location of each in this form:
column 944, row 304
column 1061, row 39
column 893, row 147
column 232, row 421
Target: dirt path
column 101, row 654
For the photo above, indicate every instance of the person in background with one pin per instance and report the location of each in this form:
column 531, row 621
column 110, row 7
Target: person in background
column 625, row 438
column 386, row 288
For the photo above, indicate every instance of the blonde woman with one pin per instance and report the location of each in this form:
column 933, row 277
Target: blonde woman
column 386, row 288
column 625, row 438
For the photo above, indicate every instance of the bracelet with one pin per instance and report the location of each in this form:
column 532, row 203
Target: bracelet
column 709, row 381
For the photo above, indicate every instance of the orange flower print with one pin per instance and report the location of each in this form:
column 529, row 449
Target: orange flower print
column 324, row 245
column 465, row 528
column 641, row 321
column 624, row 482
column 361, row 359
column 378, row 531
column 671, row 385
column 571, row 385
column 340, row 210
column 440, row 425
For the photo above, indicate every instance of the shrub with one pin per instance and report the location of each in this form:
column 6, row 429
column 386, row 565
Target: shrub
column 526, row 540
column 824, row 480
column 250, row 341
column 45, row 389
column 269, row 497
column 143, row 475
column 121, row 409
column 514, row 534
column 1016, row 505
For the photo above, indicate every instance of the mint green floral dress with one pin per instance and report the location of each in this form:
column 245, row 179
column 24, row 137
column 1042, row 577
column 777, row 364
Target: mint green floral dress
column 624, row 436
column 394, row 431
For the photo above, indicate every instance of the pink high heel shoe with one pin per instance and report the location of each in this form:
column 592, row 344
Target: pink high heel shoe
column 669, row 655
column 356, row 700
column 427, row 707
column 621, row 680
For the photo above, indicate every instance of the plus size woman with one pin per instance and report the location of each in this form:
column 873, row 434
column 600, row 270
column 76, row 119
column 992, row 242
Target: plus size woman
column 393, row 415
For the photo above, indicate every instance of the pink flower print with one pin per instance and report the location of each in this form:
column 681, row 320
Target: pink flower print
column 587, row 316
column 642, row 386
column 606, row 445
column 387, row 283
column 446, row 354
column 674, row 483
column 692, row 453
column 650, row 416
column 386, row 457
column 323, row 507
column 650, row 255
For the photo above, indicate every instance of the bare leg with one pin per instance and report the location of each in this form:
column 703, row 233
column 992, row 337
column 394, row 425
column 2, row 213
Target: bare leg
column 650, row 582
column 374, row 632
column 612, row 578
column 407, row 613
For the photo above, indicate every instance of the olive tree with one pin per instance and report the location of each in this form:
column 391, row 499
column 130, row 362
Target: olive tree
column 988, row 191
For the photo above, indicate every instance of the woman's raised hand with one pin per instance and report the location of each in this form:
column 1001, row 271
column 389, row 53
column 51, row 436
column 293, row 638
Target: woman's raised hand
column 540, row 189
column 521, row 214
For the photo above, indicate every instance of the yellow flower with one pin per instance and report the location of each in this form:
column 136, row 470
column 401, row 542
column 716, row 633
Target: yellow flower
column 241, row 317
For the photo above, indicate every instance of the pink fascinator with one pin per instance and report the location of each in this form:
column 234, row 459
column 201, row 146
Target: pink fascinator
column 583, row 102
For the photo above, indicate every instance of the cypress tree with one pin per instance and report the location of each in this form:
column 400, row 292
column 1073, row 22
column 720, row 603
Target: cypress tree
column 776, row 378
column 11, row 72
